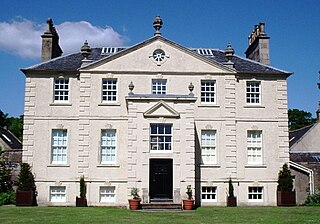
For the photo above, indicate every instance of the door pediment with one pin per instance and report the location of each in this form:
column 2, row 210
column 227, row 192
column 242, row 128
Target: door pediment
column 161, row 109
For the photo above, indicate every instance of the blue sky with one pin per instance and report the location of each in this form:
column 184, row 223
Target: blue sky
column 294, row 28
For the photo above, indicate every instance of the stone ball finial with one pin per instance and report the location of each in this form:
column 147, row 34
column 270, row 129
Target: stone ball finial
column 229, row 52
column 157, row 24
column 85, row 50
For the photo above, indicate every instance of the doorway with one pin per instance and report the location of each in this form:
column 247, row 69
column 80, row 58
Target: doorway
column 160, row 179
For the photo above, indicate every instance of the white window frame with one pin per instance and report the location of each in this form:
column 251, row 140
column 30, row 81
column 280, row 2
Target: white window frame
column 210, row 194
column 107, row 194
column 255, row 194
column 254, row 147
column 161, row 142
column 61, row 90
column 58, row 194
column 253, row 92
column 209, row 147
column 208, row 91
column 108, row 148
column 59, row 146
column 159, row 86
column 109, row 90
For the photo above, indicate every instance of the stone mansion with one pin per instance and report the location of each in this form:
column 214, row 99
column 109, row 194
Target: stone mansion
column 157, row 116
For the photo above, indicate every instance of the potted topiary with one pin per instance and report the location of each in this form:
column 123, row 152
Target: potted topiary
column 285, row 195
column 134, row 203
column 188, row 204
column 231, row 200
column 26, row 191
column 82, row 200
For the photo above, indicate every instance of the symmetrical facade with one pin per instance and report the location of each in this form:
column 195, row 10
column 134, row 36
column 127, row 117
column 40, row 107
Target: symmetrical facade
column 156, row 116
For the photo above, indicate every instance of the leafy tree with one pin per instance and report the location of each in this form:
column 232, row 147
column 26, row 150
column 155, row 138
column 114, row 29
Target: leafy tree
column 285, row 180
column 5, row 176
column 14, row 124
column 299, row 119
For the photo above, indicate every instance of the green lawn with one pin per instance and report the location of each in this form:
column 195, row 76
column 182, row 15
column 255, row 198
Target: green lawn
column 203, row 215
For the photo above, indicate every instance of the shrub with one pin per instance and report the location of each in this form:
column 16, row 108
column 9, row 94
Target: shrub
column 189, row 192
column 313, row 199
column 5, row 176
column 285, row 180
column 7, row 198
column 26, row 178
column 83, row 187
column 231, row 190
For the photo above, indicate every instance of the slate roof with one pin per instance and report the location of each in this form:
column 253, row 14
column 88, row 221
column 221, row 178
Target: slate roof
column 295, row 135
column 72, row 62
column 305, row 157
column 10, row 139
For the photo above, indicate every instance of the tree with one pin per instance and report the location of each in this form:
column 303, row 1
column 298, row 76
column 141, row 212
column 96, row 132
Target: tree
column 5, row 176
column 14, row 124
column 285, row 180
column 299, row 119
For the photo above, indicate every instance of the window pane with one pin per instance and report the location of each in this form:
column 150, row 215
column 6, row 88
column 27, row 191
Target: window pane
column 109, row 90
column 160, row 136
column 61, row 90
column 208, row 147
column 108, row 146
column 159, row 87
column 59, row 146
column 208, row 91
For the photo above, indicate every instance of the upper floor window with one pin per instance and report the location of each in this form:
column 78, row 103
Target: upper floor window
column 109, row 90
column 208, row 91
column 61, row 90
column 59, row 146
column 160, row 137
column 254, row 142
column 108, row 146
column 253, row 92
column 159, row 86
column 208, row 147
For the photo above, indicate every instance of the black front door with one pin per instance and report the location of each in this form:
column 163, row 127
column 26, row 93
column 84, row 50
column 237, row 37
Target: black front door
column 160, row 178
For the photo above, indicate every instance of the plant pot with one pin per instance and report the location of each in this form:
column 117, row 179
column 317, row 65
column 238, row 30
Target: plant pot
column 134, row 204
column 286, row 198
column 232, row 201
column 188, row 204
column 81, row 202
column 25, row 198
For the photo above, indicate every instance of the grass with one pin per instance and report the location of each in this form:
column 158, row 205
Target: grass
column 203, row 215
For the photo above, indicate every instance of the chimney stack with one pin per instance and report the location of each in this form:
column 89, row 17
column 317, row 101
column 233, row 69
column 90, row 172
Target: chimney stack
column 258, row 49
column 50, row 43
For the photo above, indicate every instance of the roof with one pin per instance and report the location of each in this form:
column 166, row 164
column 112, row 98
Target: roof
column 305, row 157
column 72, row 62
column 9, row 139
column 295, row 135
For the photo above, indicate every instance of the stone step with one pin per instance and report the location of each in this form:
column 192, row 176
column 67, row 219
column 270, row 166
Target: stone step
column 161, row 206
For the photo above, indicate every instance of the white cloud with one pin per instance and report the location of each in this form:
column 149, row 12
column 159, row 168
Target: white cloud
column 23, row 37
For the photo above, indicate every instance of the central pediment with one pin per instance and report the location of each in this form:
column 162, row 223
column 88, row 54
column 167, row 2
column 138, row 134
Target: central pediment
column 161, row 109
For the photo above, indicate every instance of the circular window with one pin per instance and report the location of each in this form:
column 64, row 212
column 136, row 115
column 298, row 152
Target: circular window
column 158, row 55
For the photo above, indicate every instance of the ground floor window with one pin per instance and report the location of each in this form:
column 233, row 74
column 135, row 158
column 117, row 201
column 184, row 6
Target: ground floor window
column 255, row 194
column 58, row 194
column 107, row 194
column 209, row 194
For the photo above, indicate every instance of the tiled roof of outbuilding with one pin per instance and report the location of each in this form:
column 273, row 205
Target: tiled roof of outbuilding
column 295, row 135
column 10, row 139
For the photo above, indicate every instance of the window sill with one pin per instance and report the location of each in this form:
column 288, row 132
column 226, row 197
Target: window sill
column 209, row 165
column 108, row 165
column 255, row 166
column 109, row 104
column 60, row 104
column 208, row 105
column 58, row 165
column 254, row 106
